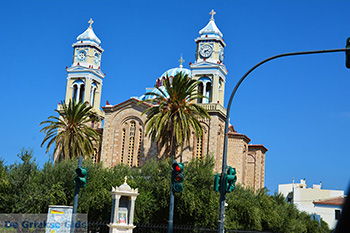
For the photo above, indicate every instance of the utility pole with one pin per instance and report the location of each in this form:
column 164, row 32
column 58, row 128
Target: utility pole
column 221, row 227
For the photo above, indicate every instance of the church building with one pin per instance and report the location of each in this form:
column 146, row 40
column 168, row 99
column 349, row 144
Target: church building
column 124, row 140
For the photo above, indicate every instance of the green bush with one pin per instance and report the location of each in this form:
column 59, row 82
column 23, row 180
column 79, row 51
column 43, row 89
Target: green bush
column 24, row 188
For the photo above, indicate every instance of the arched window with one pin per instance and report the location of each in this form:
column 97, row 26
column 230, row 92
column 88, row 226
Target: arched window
column 92, row 93
column 250, row 167
column 139, row 152
column 199, row 147
column 205, row 89
column 200, row 92
column 208, row 92
column 122, row 154
column 131, row 143
column 78, row 90
column 75, row 91
column 81, row 93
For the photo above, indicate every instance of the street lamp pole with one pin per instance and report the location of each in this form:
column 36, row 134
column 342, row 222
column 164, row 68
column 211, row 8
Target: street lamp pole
column 224, row 156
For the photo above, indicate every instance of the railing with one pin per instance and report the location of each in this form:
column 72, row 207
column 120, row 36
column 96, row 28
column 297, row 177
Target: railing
column 214, row 108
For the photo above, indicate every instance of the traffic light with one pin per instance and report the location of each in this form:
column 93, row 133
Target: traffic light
column 217, row 182
column 347, row 53
column 231, row 178
column 177, row 178
column 80, row 179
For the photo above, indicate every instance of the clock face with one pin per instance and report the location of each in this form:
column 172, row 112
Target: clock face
column 206, row 50
column 97, row 58
column 81, row 55
column 221, row 54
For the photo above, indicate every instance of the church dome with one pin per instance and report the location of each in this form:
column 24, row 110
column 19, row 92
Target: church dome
column 89, row 35
column 174, row 71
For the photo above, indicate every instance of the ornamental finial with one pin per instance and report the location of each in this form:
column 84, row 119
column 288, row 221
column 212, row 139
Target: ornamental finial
column 125, row 179
column 90, row 22
column 212, row 13
column 181, row 61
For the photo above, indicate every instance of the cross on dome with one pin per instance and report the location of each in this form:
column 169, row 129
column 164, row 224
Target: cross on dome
column 212, row 13
column 90, row 22
column 181, row 61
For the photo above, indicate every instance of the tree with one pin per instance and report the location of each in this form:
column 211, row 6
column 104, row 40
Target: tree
column 174, row 113
column 70, row 132
column 172, row 118
column 27, row 188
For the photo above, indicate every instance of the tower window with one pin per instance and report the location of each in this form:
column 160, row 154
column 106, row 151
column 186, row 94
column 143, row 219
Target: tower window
column 200, row 92
column 81, row 93
column 92, row 93
column 78, row 90
column 205, row 89
column 337, row 214
column 208, row 92
column 75, row 91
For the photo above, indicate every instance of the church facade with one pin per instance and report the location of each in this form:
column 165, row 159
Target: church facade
column 124, row 140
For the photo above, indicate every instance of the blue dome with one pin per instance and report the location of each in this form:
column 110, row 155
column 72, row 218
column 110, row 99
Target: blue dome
column 153, row 90
column 174, row 71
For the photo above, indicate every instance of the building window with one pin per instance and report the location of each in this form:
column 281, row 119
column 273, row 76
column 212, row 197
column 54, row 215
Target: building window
column 250, row 169
column 123, row 146
column 78, row 90
column 139, row 152
column 92, row 93
column 208, row 92
column 82, row 92
column 205, row 89
column 131, row 143
column 199, row 147
column 337, row 214
column 200, row 92
column 75, row 92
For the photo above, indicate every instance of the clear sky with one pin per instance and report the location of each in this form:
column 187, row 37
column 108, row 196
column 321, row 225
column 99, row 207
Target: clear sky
column 297, row 107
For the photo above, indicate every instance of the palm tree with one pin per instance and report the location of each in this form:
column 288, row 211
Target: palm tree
column 70, row 132
column 172, row 117
column 173, row 114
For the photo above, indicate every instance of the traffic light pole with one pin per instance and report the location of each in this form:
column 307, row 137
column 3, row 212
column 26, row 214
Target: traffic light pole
column 77, row 189
column 76, row 198
column 224, row 156
column 171, row 210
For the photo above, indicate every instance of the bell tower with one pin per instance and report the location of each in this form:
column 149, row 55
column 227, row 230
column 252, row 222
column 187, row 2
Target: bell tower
column 84, row 81
column 209, row 68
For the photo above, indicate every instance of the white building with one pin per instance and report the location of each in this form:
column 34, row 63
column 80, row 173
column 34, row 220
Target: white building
column 315, row 201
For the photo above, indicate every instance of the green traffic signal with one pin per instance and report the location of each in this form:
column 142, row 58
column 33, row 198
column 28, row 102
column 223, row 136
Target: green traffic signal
column 177, row 177
column 347, row 54
column 231, row 178
column 81, row 178
column 217, row 182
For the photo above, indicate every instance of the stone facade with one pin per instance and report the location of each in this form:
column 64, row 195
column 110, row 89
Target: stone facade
column 124, row 142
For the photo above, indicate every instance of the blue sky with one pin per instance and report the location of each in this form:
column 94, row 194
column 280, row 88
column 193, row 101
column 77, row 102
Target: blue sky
column 297, row 107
